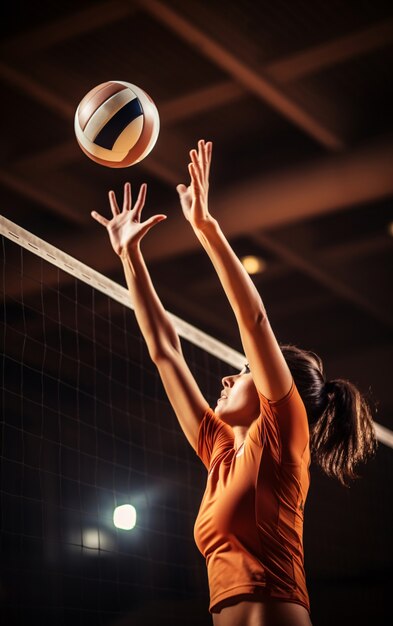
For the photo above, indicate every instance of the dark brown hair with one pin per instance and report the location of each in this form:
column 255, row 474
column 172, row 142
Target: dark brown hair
column 342, row 432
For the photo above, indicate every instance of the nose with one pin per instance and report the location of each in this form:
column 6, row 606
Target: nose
column 227, row 381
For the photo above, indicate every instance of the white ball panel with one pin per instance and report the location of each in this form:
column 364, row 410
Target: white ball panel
column 142, row 95
column 106, row 111
column 92, row 148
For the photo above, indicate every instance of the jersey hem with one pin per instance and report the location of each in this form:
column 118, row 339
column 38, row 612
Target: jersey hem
column 250, row 589
column 234, row 591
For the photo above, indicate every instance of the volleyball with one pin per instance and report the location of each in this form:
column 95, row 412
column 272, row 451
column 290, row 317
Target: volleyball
column 117, row 124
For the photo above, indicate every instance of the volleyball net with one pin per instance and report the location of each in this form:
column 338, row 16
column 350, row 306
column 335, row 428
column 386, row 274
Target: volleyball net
column 86, row 428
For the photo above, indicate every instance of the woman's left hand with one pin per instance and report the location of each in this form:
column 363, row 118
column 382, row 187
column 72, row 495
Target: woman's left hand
column 194, row 199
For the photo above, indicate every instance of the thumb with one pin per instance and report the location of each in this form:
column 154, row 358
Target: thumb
column 152, row 221
column 181, row 189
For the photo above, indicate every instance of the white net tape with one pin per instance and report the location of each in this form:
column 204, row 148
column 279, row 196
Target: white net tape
column 112, row 289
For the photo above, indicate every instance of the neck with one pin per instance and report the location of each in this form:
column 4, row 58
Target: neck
column 240, row 433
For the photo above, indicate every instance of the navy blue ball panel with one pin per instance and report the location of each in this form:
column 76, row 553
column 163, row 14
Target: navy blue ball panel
column 108, row 135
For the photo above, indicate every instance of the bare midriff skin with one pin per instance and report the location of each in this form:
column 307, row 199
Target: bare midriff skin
column 259, row 613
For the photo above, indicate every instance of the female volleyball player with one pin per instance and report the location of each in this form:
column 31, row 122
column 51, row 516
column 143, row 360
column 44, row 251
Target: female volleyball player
column 256, row 444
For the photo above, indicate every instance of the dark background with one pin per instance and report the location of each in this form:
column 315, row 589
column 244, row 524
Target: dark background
column 297, row 99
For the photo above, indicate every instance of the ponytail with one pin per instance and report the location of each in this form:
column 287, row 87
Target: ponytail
column 344, row 435
column 342, row 432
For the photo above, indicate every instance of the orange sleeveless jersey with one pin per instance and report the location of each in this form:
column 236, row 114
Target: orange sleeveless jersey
column 250, row 522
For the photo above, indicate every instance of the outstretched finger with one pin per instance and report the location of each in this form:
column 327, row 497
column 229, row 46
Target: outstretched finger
column 204, row 159
column 127, row 200
column 140, row 202
column 208, row 152
column 198, row 168
column 113, row 203
column 202, row 153
column 99, row 218
column 195, row 179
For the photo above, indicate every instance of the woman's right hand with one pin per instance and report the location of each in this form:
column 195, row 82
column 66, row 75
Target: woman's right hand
column 194, row 198
column 125, row 229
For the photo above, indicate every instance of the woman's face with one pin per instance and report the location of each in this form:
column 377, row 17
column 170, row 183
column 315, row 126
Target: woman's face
column 239, row 402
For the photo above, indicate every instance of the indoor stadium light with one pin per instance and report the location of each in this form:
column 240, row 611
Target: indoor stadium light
column 124, row 517
column 253, row 264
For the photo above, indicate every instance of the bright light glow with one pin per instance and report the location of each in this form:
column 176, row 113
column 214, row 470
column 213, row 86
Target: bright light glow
column 253, row 264
column 124, row 517
column 91, row 538
column 390, row 229
column 95, row 541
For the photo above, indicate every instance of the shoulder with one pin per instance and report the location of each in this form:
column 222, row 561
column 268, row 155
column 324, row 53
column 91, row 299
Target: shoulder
column 285, row 423
column 214, row 437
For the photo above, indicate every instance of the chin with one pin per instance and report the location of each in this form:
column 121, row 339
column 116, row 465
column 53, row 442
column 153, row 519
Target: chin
column 219, row 407
column 221, row 414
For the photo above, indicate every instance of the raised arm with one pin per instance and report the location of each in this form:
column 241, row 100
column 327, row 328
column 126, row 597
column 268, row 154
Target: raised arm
column 126, row 231
column 269, row 369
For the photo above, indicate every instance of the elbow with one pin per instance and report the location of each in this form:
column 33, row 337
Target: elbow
column 157, row 354
column 161, row 344
column 155, row 346
column 160, row 353
column 255, row 319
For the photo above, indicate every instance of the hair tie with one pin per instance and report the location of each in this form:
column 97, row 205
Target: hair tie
column 330, row 386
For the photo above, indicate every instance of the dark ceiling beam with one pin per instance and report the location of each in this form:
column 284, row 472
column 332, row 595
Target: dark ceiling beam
column 320, row 187
column 183, row 107
column 58, row 156
column 330, row 53
column 356, row 249
column 337, row 181
column 49, row 159
column 201, row 100
column 185, row 104
column 101, row 14
column 286, row 70
column 40, row 196
column 301, row 306
column 172, row 111
column 278, row 268
column 309, row 266
column 167, row 159
column 68, row 27
column 333, row 183
column 158, row 168
column 15, row 177
column 37, row 91
column 253, row 79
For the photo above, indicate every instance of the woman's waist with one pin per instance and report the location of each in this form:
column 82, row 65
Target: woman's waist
column 260, row 608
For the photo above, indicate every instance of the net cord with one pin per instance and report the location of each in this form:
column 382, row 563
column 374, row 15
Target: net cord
column 112, row 289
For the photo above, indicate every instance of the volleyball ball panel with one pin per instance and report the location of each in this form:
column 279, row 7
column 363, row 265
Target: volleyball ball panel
column 117, row 124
